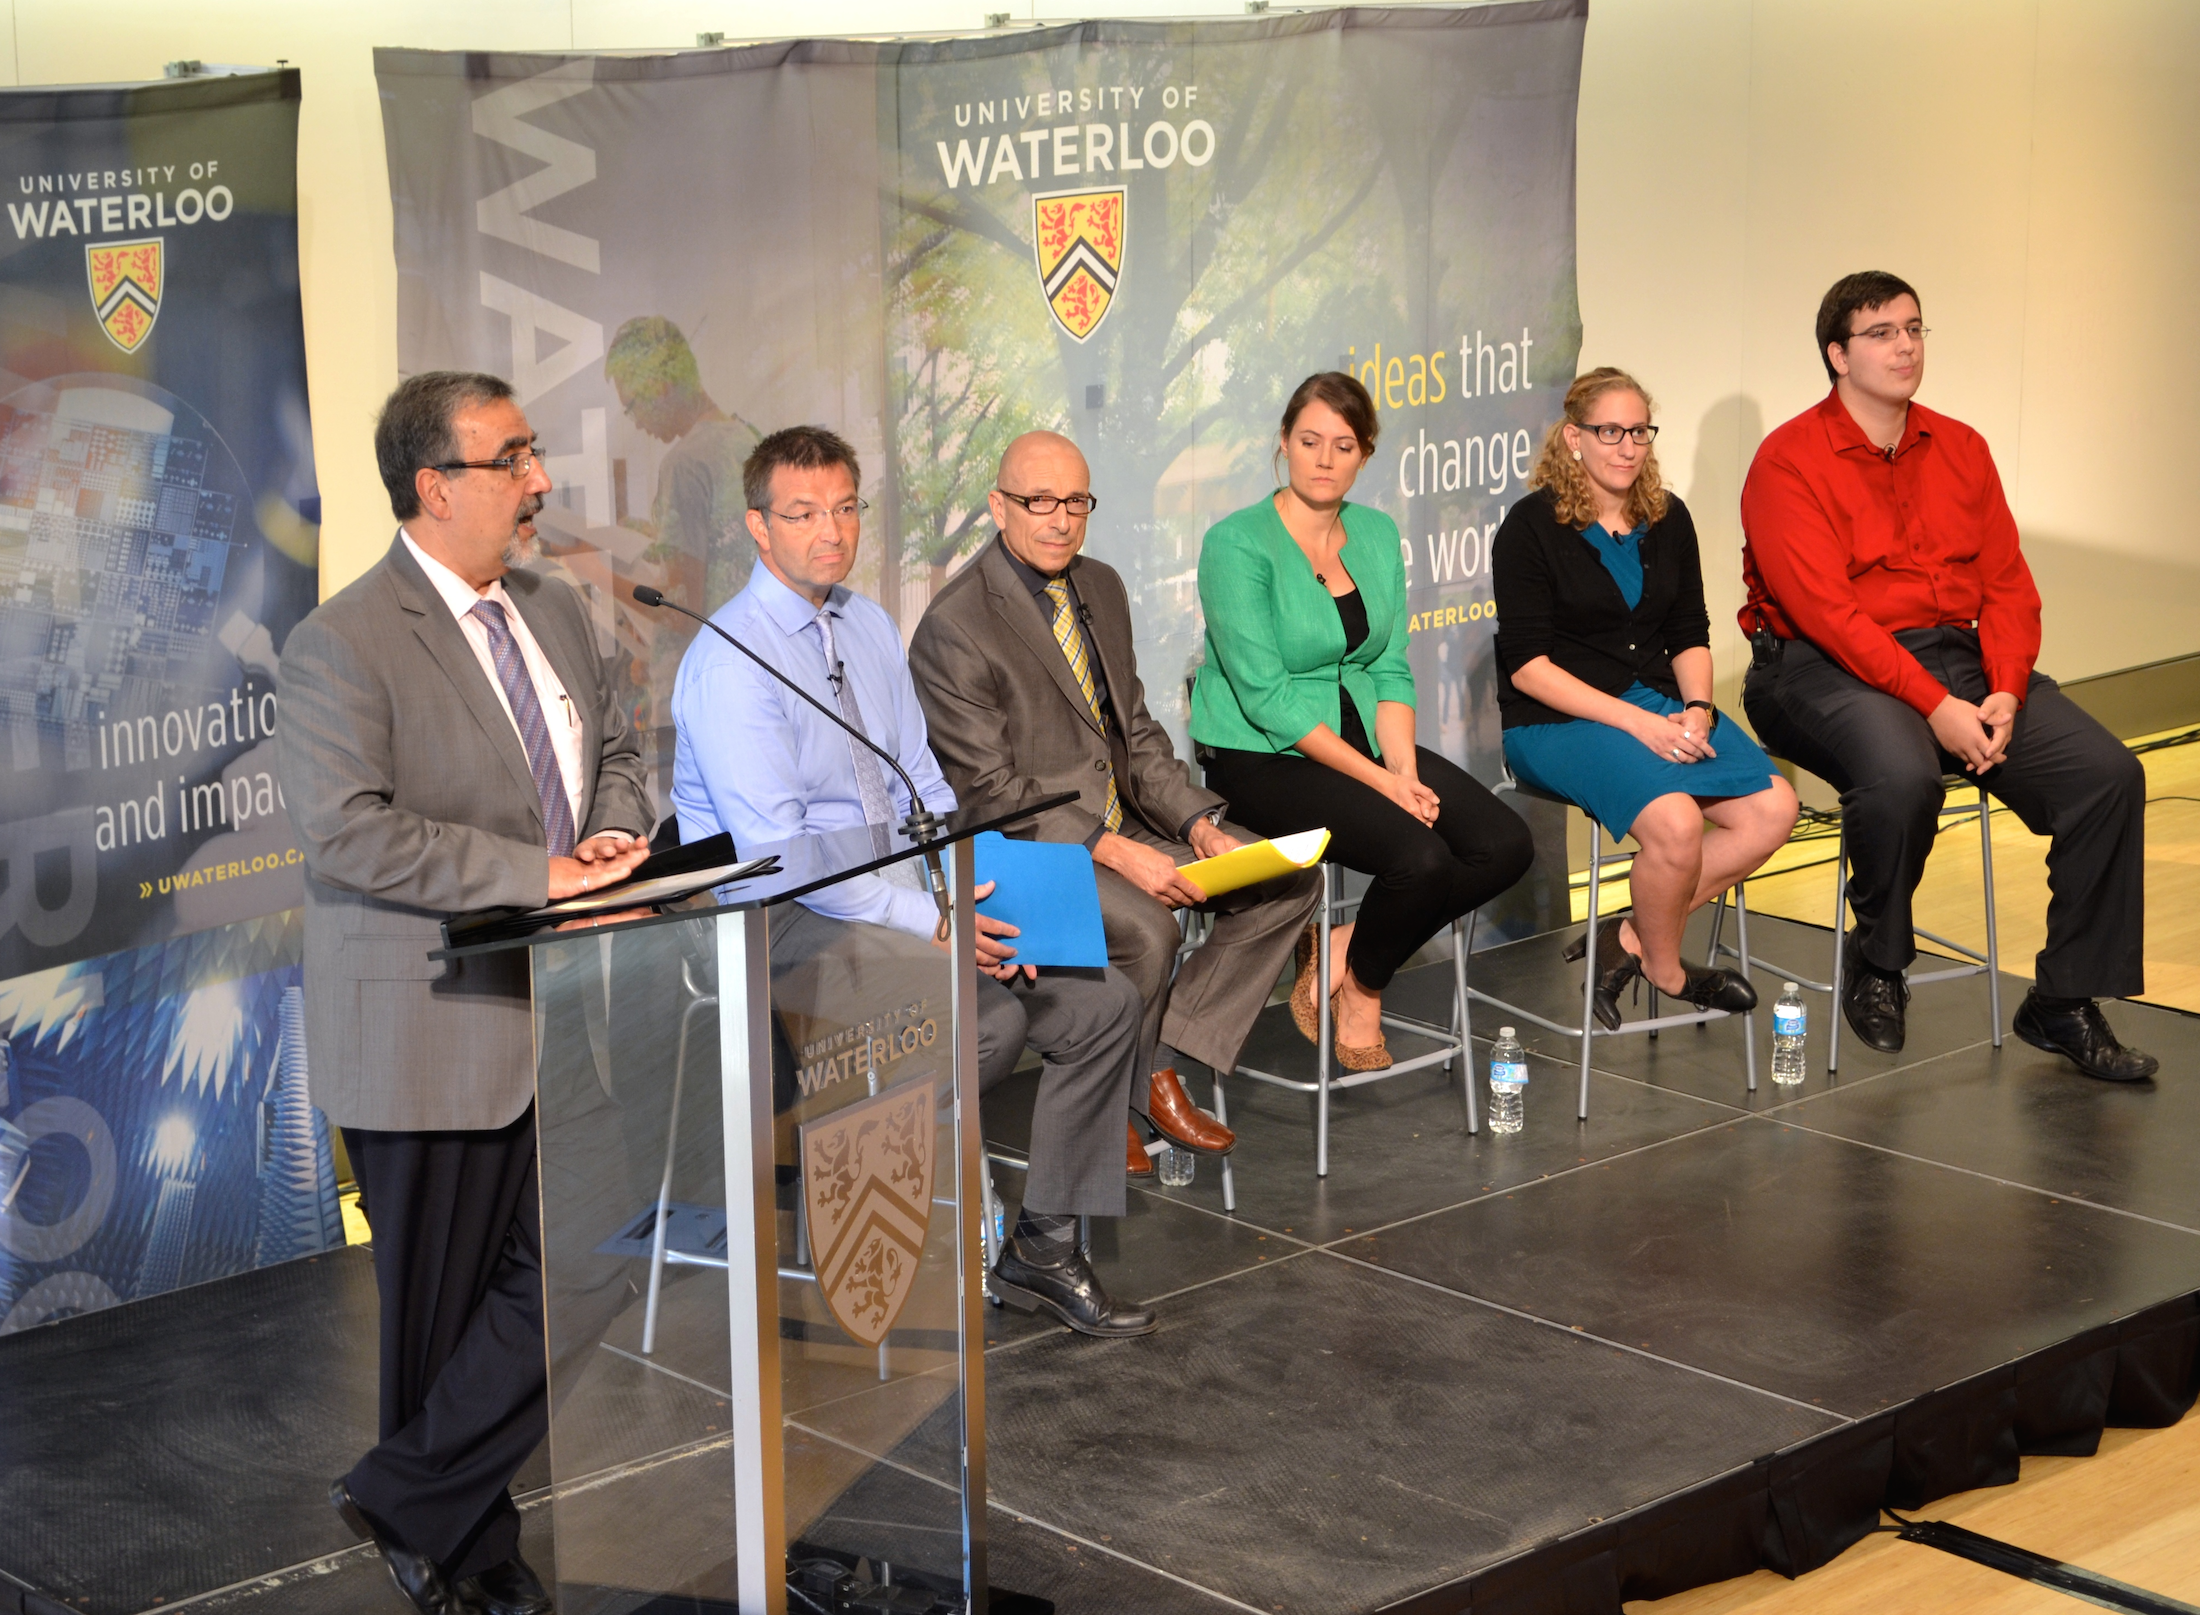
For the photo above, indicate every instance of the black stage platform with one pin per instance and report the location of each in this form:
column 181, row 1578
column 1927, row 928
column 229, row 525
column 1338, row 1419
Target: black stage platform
column 1700, row 1333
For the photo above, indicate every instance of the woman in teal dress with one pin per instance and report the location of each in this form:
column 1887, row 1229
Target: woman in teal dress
column 1604, row 681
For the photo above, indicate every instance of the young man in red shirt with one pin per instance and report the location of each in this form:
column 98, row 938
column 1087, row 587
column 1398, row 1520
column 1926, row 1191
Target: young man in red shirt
column 1895, row 625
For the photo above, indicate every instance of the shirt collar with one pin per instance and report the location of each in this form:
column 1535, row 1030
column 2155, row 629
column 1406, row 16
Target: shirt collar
column 1033, row 579
column 783, row 608
column 455, row 591
column 1843, row 433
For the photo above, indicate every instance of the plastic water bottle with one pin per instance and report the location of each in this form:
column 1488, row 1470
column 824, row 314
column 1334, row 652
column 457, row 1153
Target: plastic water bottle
column 1788, row 1020
column 1508, row 1077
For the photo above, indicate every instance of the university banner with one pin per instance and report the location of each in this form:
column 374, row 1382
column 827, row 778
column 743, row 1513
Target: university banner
column 158, row 538
column 1140, row 234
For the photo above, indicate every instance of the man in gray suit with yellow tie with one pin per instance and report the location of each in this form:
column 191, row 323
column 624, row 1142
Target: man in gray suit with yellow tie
column 450, row 741
column 1030, row 687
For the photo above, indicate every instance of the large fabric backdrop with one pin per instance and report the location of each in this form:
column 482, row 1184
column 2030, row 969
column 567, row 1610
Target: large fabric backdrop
column 1140, row 234
column 158, row 538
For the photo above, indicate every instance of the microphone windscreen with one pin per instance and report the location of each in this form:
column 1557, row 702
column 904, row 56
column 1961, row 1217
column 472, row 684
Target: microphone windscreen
column 648, row 596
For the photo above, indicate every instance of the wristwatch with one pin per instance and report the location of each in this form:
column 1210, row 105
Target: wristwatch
column 1708, row 707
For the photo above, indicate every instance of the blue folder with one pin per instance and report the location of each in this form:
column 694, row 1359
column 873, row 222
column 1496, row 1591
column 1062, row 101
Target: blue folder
column 1047, row 890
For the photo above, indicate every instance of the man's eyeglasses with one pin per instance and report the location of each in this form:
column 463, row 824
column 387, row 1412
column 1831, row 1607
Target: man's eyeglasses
column 1915, row 331
column 846, row 515
column 517, row 466
column 1608, row 434
column 1046, row 504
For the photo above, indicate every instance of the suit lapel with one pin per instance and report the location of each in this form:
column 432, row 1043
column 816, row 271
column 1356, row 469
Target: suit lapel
column 1026, row 618
column 447, row 646
column 1108, row 637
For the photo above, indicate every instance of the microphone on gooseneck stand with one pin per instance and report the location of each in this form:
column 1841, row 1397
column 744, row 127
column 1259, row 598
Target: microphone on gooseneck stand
column 921, row 824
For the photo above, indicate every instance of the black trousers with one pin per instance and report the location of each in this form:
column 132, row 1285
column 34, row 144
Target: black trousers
column 458, row 1264
column 2065, row 776
column 1424, row 876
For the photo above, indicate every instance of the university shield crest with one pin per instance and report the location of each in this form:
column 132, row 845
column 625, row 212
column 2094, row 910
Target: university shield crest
column 867, row 1187
column 1078, row 236
column 126, row 284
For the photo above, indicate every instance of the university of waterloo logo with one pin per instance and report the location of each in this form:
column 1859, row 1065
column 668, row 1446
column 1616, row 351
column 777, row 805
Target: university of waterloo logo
column 1078, row 236
column 126, row 284
column 867, row 1185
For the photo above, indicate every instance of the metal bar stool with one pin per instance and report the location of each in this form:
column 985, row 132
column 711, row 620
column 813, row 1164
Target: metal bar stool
column 1454, row 1040
column 1987, row 964
column 1588, row 1030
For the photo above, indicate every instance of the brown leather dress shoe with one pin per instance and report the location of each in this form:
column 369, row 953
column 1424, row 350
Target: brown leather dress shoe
column 1183, row 1123
column 1139, row 1164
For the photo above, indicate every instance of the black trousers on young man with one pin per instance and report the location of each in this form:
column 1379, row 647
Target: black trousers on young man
column 2065, row 776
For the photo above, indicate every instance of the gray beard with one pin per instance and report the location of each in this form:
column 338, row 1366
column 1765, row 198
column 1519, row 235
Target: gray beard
column 519, row 552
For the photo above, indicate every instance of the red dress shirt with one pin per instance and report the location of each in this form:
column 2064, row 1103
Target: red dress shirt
column 1844, row 544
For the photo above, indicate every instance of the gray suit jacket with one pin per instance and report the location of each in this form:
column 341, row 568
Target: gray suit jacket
column 413, row 800
column 1009, row 723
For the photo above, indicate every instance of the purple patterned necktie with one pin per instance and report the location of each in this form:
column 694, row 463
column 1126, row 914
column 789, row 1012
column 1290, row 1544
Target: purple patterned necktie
column 534, row 729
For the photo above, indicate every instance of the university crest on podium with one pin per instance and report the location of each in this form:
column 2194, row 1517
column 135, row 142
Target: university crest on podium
column 126, row 281
column 867, row 1187
column 1078, row 237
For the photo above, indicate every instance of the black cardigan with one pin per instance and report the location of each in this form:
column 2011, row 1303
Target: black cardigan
column 1555, row 598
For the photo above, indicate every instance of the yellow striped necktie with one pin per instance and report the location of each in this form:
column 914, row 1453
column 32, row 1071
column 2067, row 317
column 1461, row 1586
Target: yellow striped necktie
column 1074, row 652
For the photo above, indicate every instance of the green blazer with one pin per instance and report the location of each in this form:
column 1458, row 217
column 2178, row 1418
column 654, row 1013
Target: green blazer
column 1276, row 662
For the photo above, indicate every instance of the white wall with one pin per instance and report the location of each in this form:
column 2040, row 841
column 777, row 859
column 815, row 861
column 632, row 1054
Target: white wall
column 2033, row 166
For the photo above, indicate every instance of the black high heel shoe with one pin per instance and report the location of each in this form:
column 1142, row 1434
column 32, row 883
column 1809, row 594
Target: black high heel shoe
column 1615, row 968
column 1714, row 989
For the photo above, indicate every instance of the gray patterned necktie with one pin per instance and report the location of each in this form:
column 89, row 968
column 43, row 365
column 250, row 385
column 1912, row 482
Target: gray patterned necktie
column 878, row 809
column 534, row 729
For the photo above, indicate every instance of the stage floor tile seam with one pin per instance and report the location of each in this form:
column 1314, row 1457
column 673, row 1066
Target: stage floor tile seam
column 1848, row 1085
column 1576, row 1332
column 1021, row 1515
column 1305, row 1250
column 2062, row 1197
column 1587, row 1165
column 1233, row 1219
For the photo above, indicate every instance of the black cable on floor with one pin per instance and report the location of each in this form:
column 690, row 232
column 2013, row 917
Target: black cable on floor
column 2087, row 1585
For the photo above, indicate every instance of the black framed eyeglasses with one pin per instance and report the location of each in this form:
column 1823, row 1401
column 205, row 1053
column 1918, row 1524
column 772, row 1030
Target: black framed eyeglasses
column 1608, row 434
column 517, row 466
column 1046, row 504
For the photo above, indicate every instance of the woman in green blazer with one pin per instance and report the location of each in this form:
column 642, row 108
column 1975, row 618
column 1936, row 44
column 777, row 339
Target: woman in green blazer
column 1305, row 713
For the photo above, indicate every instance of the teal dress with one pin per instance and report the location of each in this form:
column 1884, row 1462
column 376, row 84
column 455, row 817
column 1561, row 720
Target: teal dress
column 1608, row 773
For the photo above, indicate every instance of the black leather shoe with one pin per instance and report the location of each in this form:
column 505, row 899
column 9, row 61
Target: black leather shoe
column 1874, row 1005
column 417, row 1576
column 1718, row 989
column 511, row 1588
column 1070, row 1290
column 2082, row 1035
column 1615, row 968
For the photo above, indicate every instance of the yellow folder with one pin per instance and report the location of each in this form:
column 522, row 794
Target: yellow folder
column 1258, row 861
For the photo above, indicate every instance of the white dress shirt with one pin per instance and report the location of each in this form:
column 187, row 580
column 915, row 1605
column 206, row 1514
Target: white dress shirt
column 559, row 715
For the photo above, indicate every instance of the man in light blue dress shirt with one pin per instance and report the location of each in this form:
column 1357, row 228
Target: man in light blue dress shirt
column 753, row 759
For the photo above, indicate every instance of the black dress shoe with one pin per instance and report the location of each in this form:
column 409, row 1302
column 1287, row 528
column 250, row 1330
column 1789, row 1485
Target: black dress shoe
column 1717, row 989
column 511, row 1588
column 2082, row 1035
column 1615, row 968
column 1873, row 1004
column 417, row 1576
column 1069, row 1289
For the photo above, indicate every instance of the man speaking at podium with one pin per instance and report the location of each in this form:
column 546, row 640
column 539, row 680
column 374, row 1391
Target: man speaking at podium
column 755, row 759
column 449, row 742
column 1030, row 685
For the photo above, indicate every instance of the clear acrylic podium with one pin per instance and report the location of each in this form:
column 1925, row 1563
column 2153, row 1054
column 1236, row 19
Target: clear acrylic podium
column 761, row 1185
